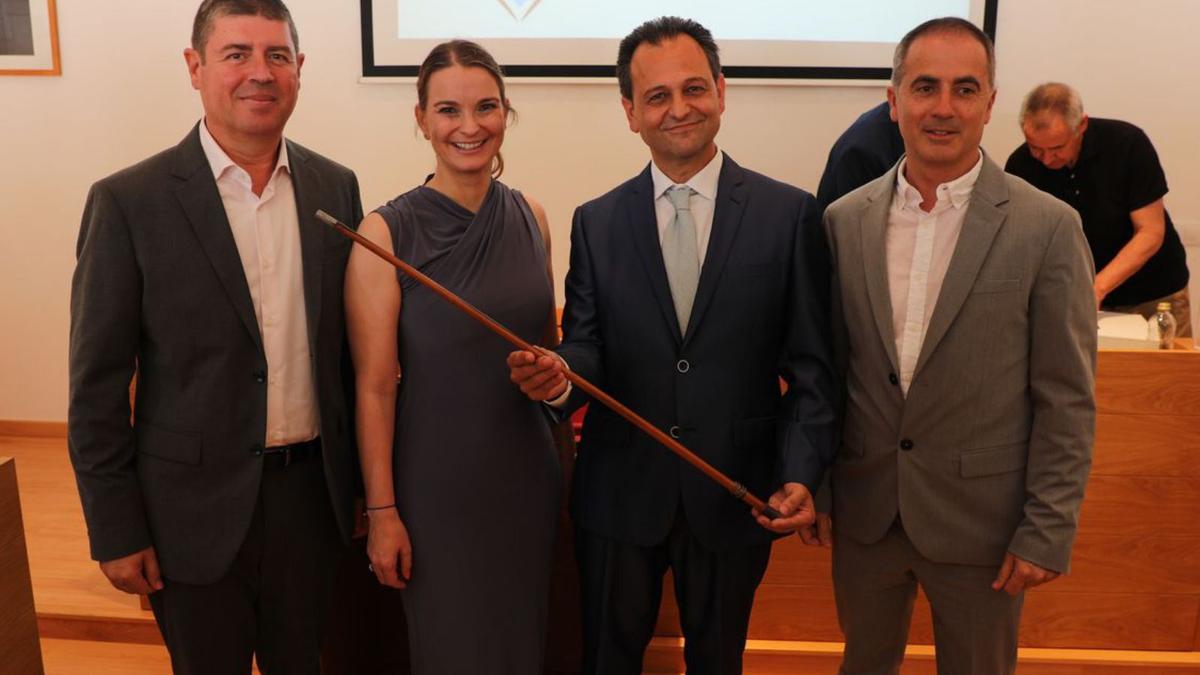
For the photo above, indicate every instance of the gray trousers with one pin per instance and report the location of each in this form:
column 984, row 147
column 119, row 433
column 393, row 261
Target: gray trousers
column 974, row 627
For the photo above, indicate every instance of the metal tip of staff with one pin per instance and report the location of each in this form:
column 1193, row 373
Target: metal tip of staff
column 327, row 219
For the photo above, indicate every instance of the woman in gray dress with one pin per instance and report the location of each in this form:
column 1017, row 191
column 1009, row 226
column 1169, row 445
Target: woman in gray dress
column 462, row 481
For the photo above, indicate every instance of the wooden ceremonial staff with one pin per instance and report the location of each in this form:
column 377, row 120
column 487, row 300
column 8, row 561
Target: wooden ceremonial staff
column 734, row 488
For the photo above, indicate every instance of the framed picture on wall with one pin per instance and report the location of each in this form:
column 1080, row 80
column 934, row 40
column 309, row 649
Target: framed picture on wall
column 29, row 38
column 801, row 40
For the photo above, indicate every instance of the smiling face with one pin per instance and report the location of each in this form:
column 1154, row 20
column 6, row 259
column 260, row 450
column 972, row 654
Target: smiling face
column 248, row 78
column 1051, row 140
column 464, row 119
column 676, row 105
column 943, row 103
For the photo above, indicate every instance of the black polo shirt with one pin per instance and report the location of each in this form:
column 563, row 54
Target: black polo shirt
column 1117, row 172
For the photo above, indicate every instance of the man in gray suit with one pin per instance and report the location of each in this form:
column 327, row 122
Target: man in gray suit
column 228, row 495
column 968, row 331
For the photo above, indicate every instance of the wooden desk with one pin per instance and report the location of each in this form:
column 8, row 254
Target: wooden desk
column 1135, row 579
column 19, row 649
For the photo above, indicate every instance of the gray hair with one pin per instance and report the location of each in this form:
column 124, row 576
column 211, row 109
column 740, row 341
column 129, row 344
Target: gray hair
column 1056, row 98
column 946, row 24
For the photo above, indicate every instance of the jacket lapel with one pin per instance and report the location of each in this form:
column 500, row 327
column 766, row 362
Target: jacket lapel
column 201, row 201
column 985, row 215
column 872, row 236
column 306, row 187
column 643, row 225
column 727, row 218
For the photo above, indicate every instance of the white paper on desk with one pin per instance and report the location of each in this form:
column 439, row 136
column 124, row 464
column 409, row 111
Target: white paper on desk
column 1125, row 331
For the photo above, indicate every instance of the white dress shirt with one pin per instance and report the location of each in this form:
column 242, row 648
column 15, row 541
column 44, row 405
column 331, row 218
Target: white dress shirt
column 919, row 246
column 702, row 203
column 266, row 230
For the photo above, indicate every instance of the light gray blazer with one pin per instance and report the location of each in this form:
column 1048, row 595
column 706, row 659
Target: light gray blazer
column 1000, row 414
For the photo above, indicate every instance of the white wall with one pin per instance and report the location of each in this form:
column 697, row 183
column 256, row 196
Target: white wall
column 124, row 94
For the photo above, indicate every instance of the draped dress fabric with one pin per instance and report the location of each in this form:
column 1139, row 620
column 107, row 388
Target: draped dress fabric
column 476, row 474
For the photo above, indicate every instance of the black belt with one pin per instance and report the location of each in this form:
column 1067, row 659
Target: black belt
column 283, row 455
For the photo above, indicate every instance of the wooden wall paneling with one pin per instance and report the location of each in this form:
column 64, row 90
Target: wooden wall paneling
column 1051, row 618
column 1109, row 562
column 1147, row 445
column 1148, row 382
column 794, row 563
column 19, row 648
column 1109, row 620
column 31, row 428
column 1141, row 505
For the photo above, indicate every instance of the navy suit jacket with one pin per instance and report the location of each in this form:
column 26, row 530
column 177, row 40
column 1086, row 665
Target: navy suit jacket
column 761, row 312
column 864, row 152
column 159, row 286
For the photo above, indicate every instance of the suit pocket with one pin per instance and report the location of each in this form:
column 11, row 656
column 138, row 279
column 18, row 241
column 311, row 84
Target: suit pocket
column 754, row 432
column 991, row 461
column 996, row 286
column 174, row 446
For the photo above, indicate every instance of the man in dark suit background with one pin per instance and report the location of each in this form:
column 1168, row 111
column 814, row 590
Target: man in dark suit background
column 692, row 288
column 865, row 151
column 228, row 496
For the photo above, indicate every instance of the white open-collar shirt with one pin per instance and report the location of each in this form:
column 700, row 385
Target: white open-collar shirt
column 266, row 230
column 919, row 246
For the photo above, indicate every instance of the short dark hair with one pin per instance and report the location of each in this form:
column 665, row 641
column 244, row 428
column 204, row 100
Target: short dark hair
column 211, row 9
column 946, row 24
column 654, row 32
column 468, row 55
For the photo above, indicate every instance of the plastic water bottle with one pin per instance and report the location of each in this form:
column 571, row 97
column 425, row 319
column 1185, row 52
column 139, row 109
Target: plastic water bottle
column 1163, row 324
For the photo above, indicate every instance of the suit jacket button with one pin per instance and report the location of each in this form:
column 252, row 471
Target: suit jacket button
column 260, row 376
column 683, row 366
column 893, row 379
column 906, row 444
column 674, row 432
column 256, row 450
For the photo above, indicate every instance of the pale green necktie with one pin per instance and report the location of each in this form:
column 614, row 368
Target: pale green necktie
column 681, row 254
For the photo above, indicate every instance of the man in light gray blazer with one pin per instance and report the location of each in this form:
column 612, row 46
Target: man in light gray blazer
column 968, row 339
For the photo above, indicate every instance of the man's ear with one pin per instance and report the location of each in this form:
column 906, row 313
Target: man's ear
column 633, row 122
column 193, row 60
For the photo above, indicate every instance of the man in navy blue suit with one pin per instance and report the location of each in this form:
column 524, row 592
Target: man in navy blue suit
column 865, row 151
column 692, row 289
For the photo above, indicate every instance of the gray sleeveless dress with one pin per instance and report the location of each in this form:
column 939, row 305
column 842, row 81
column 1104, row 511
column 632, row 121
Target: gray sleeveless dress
column 477, row 477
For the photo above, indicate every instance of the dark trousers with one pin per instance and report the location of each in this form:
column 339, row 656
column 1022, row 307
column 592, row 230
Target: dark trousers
column 622, row 589
column 271, row 604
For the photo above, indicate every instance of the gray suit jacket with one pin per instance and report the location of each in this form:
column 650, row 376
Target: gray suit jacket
column 990, row 450
column 159, row 285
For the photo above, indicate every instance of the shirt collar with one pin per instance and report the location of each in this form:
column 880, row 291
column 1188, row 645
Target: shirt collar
column 704, row 182
column 958, row 190
column 220, row 162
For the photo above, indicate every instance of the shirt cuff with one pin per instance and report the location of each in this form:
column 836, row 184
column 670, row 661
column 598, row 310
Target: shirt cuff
column 559, row 402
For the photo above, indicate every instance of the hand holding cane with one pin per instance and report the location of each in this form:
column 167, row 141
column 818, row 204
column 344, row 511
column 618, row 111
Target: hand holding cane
column 731, row 486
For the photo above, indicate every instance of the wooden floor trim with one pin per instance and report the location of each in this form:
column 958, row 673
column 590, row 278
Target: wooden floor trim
column 663, row 650
column 98, row 629
column 33, row 429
